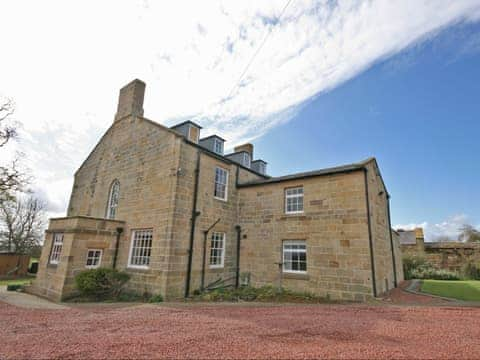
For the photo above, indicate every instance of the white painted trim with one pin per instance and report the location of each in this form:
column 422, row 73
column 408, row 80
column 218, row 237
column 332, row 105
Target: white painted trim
column 226, row 184
column 99, row 259
column 224, row 245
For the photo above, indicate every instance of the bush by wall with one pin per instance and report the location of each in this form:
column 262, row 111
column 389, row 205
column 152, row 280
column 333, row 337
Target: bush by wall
column 101, row 283
column 471, row 271
column 416, row 267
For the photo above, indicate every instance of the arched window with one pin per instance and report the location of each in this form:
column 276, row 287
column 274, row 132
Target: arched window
column 113, row 199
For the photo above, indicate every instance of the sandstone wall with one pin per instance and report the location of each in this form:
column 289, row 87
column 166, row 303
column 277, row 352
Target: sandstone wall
column 333, row 225
column 144, row 158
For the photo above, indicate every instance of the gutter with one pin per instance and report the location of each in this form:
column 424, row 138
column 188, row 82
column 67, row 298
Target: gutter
column 395, row 281
column 195, row 214
column 370, row 238
column 237, row 272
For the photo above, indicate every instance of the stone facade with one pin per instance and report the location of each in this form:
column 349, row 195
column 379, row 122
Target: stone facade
column 167, row 186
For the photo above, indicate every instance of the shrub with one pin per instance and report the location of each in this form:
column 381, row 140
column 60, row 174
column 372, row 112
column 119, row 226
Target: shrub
column 264, row 294
column 471, row 271
column 101, row 282
column 156, row 299
column 434, row 274
column 413, row 263
column 14, row 287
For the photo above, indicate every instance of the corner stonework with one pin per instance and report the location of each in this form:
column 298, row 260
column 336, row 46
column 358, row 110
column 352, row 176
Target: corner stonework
column 80, row 233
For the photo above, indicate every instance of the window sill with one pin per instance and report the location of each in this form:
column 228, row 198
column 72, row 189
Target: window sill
column 220, row 199
column 138, row 268
column 216, row 267
column 52, row 266
column 295, row 276
column 295, row 213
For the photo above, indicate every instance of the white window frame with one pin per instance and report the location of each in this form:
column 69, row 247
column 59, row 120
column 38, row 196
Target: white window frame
column 225, row 198
column 112, row 207
column 217, row 236
column 94, row 266
column 284, row 251
column 292, row 196
column 220, row 146
column 247, row 159
column 57, row 247
column 131, row 252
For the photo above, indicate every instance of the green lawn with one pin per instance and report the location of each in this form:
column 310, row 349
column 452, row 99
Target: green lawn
column 468, row 290
column 19, row 281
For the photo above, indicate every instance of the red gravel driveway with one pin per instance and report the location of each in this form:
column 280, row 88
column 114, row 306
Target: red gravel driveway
column 236, row 331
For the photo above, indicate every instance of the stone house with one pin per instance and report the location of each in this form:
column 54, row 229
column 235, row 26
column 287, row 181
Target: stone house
column 178, row 214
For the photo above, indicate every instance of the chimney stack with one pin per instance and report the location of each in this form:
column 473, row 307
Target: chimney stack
column 130, row 100
column 245, row 147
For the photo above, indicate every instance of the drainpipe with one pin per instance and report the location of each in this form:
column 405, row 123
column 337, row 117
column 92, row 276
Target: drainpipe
column 117, row 242
column 237, row 274
column 205, row 236
column 370, row 239
column 195, row 214
column 395, row 281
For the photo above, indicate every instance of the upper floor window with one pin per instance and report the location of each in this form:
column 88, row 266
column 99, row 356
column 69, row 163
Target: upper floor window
column 295, row 256
column 218, row 146
column 294, row 200
column 56, row 248
column 217, row 250
column 94, row 258
column 113, row 199
column 221, row 184
column 140, row 249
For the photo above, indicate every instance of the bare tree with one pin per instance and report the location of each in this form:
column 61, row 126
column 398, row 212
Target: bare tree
column 468, row 233
column 12, row 178
column 21, row 225
column 7, row 131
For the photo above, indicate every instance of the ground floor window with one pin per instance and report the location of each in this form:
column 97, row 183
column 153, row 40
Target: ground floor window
column 295, row 256
column 94, row 258
column 56, row 248
column 217, row 250
column 140, row 248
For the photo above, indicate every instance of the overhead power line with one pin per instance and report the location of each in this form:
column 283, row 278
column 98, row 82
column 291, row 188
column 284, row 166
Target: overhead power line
column 237, row 83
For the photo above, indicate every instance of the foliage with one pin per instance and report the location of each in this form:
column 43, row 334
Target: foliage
column 462, row 290
column 471, row 271
column 101, row 283
column 22, row 223
column 156, row 299
column 14, row 287
column 435, row 274
column 262, row 294
column 469, row 234
column 411, row 263
column 416, row 267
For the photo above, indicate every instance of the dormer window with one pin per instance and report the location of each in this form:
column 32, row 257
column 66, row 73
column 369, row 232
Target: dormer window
column 189, row 130
column 218, row 146
column 193, row 134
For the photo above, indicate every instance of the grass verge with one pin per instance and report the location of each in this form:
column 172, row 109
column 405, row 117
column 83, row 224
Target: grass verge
column 468, row 290
column 17, row 281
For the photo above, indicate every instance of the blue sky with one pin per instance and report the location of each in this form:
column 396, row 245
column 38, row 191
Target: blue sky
column 335, row 82
column 418, row 113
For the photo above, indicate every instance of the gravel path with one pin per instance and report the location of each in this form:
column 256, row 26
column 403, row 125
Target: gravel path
column 237, row 331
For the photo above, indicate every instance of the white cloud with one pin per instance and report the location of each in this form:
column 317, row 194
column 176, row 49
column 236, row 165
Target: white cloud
column 449, row 228
column 63, row 63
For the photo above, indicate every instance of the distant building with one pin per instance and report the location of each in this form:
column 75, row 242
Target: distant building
column 449, row 255
column 177, row 213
